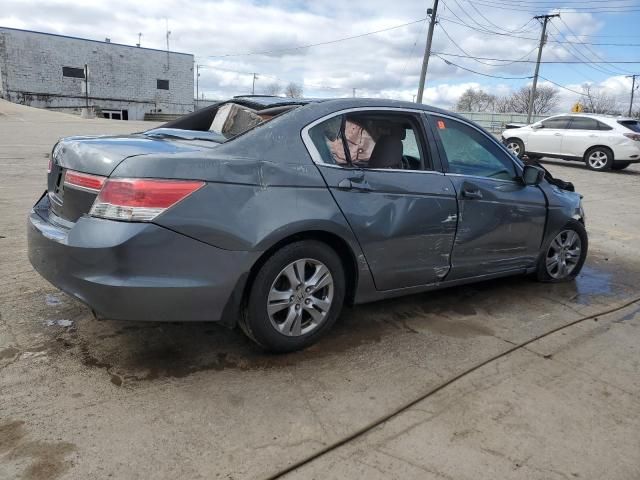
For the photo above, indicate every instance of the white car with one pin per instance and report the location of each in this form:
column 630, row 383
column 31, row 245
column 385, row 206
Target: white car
column 602, row 142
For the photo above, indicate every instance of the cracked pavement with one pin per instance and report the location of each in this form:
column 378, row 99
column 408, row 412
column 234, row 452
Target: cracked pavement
column 86, row 399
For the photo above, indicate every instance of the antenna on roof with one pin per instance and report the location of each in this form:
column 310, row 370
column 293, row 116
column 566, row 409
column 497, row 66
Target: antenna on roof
column 168, row 33
column 139, row 40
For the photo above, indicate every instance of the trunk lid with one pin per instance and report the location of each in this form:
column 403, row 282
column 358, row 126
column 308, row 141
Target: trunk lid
column 100, row 155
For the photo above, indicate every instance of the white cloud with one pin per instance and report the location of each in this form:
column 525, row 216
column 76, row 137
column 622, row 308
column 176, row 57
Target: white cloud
column 381, row 65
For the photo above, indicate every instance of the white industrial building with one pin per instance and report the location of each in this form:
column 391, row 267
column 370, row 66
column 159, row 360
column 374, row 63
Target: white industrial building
column 122, row 82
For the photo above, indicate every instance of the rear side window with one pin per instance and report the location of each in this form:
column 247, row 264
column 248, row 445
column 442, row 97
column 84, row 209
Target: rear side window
column 584, row 123
column 378, row 140
column 469, row 152
column 558, row 122
column 633, row 125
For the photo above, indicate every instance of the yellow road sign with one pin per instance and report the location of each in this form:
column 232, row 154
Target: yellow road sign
column 577, row 108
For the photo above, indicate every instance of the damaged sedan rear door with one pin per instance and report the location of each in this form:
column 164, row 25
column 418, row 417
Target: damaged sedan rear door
column 385, row 179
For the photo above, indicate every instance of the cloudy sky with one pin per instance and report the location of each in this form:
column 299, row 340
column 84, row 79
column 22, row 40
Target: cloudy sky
column 233, row 38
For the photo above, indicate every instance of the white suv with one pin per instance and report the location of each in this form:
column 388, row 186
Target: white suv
column 602, row 142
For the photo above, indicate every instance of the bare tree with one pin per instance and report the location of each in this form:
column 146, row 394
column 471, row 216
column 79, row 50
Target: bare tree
column 293, row 90
column 596, row 100
column 273, row 89
column 545, row 100
column 475, row 101
column 502, row 104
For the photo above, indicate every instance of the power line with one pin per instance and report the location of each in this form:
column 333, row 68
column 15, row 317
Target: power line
column 328, row 42
column 562, row 86
column 478, row 59
column 560, row 62
column 573, row 8
column 476, row 72
column 596, row 55
column 490, row 32
column 577, row 54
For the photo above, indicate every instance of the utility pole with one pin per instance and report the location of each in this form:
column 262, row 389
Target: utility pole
column 543, row 39
column 633, row 87
column 354, row 93
column 197, row 83
column 427, row 49
column 139, row 40
column 253, row 85
column 86, row 86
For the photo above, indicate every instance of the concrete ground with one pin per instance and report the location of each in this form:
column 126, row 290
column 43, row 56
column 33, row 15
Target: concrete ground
column 85, row 399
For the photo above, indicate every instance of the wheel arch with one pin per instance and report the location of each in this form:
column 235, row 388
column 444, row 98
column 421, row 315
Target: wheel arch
column 606, row 147
column 340, row 245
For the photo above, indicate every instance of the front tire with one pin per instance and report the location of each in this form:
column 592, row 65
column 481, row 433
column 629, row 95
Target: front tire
column 515, row 146
column 599, row 159
column 564, row 254
column 295, row 297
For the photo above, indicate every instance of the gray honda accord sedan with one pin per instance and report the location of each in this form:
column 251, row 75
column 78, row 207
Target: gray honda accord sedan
column 271, row 213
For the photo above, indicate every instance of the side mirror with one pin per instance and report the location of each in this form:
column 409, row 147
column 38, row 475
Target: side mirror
column 532, row 175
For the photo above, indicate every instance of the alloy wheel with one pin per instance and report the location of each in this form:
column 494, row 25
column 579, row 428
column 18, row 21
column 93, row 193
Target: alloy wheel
column 597, row 160
column 563, row 254
column 514, row 148
column 300, row 297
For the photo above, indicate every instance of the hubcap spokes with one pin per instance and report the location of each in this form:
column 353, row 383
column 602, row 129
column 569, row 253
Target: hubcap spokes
column 563, row 254
column 300, row 297
column 514, row 148
column 598, row 159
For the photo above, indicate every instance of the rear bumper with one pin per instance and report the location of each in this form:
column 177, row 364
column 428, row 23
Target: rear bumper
column 137, row 271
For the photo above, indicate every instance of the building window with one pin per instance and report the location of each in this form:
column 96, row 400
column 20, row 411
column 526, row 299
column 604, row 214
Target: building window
column 73, row 72
column 163, row 84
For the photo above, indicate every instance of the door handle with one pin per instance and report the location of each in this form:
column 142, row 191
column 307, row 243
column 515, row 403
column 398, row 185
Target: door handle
column 468, row 193
column 352, row 184
column 557, row 134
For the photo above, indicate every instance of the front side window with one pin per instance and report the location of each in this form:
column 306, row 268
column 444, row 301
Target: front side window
column 469, row 152
column 557, row 122
column 370, row 140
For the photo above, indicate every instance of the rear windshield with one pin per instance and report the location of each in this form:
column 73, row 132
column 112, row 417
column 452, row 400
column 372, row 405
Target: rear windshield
column 630, row 124
column 233, row 119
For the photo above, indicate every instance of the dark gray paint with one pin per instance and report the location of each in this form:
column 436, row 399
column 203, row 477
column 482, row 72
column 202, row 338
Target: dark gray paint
column 408, row 231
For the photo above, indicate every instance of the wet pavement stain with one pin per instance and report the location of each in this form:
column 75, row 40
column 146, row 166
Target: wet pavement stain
column 629, row 316
column 8, row 353
column 47, row 458
column 131, row 353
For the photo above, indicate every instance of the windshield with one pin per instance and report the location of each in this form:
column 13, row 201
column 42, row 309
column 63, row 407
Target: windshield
column 633, row 125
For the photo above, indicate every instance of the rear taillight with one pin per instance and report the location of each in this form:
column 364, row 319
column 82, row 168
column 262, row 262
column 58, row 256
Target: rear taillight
column 140, row 199
column 50, row 166
column 83, row 181
column 632, row 136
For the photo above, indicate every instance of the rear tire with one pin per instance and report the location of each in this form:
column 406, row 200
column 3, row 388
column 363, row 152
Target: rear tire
column 599, row 159
column 620, row 165
column 515, row 146
column 564, row 254
column 295, row 297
